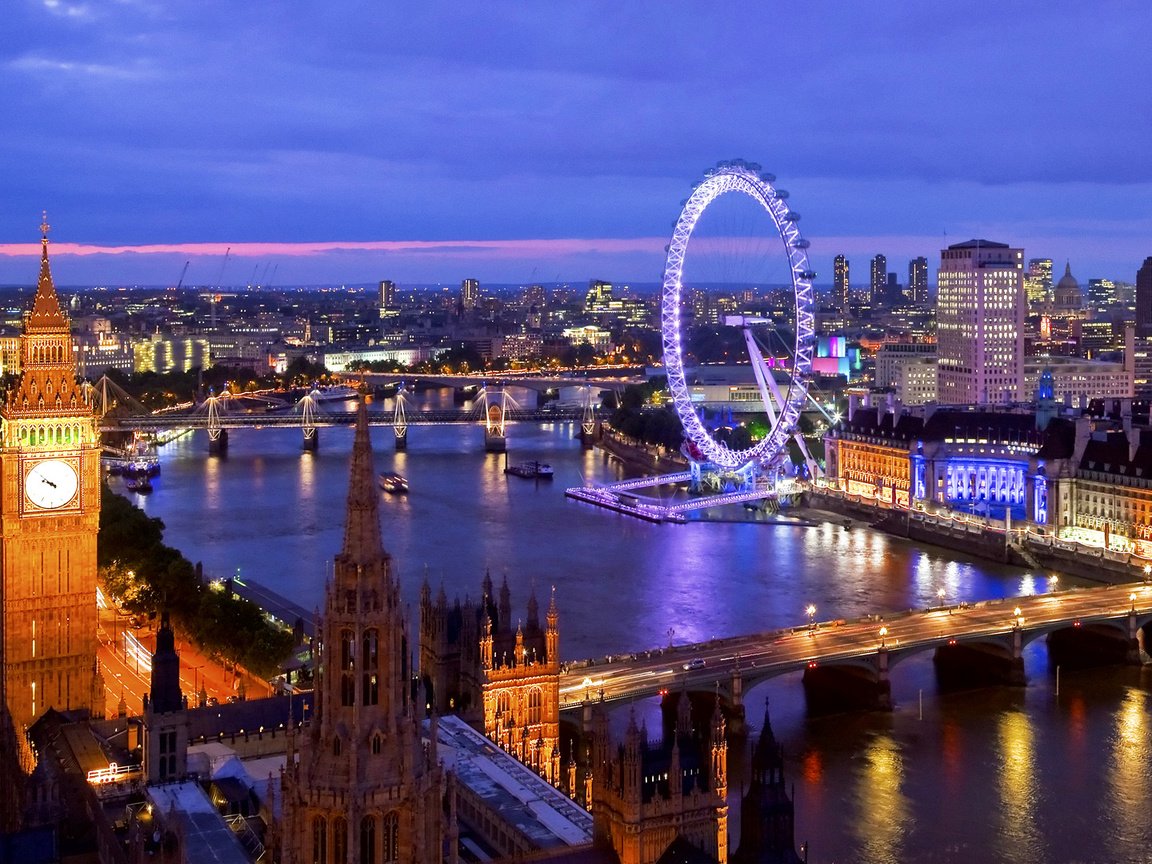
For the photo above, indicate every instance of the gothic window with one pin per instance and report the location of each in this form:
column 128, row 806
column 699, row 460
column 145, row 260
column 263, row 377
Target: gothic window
column 347, row 689
column 347, row 649
column 319, row 840
column 503, row 705
column 371, row 662
column 535, row 700
column 377, row 744
column 339, row 839
column 336, row 746
column 368, row 840
column 391, row 838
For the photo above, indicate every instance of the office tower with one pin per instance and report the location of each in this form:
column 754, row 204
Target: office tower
column 1102, row 294
column 918, row 281
column 894, row 291
column 1038, row 281
column 599, row 297
column 840, row 290
column 1144, row 300
column 980, row 311
column 879, row 282
column 387, row 297
column 469, row 294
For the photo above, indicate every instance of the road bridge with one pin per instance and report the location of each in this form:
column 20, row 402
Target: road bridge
column 849, row 662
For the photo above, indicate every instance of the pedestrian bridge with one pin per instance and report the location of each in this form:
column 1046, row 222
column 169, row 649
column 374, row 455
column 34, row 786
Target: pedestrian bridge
column 848, row 663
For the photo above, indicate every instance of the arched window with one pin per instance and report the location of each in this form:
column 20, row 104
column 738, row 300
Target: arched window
column 391, row 838
column 535, row 700
column 503, row 705
column 377, row 744
column 339, row 839
column 371, row 662
column 368, row 840
column 347, row 689
column 336, row 746
column 347, row 649
column 319, row 841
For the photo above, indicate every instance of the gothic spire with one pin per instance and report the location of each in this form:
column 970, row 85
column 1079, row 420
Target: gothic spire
column 46, row 314
column 362, row 543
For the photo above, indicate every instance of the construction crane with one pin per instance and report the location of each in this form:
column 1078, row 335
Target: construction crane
column 180, row 281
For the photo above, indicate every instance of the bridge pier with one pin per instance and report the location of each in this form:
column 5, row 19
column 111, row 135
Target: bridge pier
column 837, row 688
column 401, row 439
column 495, row 442
column 218, row 444
column 311, row 440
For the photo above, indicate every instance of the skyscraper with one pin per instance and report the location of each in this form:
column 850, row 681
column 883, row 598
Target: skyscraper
column 469, row 294
column 840, row 290
column 387, row 298
column 918, row 281
column 980, row 311
column 879, row 283
column 1144, row 300
column 1038, row 282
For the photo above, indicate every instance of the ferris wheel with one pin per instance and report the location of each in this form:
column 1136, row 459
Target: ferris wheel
column 782, row 400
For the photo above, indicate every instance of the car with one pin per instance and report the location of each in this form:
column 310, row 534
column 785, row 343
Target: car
column 697, row 663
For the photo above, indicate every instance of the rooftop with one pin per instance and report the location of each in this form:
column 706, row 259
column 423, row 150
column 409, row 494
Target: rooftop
column 979, row 244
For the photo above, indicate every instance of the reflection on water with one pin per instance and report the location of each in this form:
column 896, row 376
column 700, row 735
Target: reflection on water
column 882, row 810
column 1018, row 838
column 1129, row 765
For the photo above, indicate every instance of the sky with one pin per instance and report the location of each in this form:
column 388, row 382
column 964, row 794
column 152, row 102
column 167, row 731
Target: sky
column 424, row 142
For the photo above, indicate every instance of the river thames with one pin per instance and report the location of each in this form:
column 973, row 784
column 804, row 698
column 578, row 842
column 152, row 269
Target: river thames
column 996, row 774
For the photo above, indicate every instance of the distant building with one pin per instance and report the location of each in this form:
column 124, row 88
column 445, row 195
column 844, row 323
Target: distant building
column 840, row 287
column 1102, row 294
column 879, row 280
column 469, row 294
column 1067, row 298
column 1144, row 300
column 893, row 354
column 1038, row 281
column 388, row 306
column 918, row 281
column 917, row 381
column 980, row 312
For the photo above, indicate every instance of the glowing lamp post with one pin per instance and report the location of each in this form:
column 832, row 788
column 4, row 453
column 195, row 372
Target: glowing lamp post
column 1132, row 600
column 884, row 636
column 1053, row 581
column 811, row 610
column 1016, row 613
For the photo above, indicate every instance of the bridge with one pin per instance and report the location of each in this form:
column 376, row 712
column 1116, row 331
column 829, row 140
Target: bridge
column 847, row 664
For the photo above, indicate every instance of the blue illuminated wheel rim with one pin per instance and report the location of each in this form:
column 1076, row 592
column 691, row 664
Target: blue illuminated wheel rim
column 740, row 177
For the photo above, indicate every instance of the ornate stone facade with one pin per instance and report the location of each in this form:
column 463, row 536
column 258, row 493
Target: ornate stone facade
column 360, row 784
column 49, row 519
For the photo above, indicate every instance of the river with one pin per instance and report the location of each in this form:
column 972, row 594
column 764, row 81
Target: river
column 998, row 774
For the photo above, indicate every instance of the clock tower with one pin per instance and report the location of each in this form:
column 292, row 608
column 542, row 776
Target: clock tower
column 49, row 518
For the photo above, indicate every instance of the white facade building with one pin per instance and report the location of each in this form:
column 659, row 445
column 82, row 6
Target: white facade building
column 980, row 324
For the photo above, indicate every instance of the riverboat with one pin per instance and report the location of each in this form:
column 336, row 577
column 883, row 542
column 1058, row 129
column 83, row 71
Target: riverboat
column 396, row 484
column 531, row 470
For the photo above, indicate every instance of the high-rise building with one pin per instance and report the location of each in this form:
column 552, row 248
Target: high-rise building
column 49, row 518
column 1038, row 281
column 469, row 294
column 387, row 298
column 1144, row 300
column 879, row 281
column 363, row 786
column 1102, row 294
column 840, row 289
column 980, row 311
column 918, row 281
column 893, row 292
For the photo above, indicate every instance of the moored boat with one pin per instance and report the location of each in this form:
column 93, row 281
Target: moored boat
column 532, row 470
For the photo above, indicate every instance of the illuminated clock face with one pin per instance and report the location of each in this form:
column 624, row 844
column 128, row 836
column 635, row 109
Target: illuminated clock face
column 50, row 484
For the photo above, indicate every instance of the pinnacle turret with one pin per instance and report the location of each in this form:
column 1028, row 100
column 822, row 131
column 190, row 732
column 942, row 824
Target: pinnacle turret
column 362, row 543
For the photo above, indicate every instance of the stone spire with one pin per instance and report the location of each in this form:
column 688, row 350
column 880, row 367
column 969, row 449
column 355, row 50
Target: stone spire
column 362, row 543
column 46, row 314
column 166, row 695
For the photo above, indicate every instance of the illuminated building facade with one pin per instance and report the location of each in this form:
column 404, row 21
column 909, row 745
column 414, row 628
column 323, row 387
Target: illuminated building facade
column 388, row 304
column 980, row 315
column 1144, row 300
column 917, row 382
column 1038, row 281
column 878, row 284
column 918, row 281
column 49, row 518
column 469, row 294
column 521, row 686
column 840, row 285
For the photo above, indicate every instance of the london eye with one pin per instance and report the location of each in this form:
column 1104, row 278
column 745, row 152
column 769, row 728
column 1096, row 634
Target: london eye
column 782, row 382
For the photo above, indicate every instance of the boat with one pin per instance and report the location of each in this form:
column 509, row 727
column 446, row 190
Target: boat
column 140, row 483
column 532, row 470
column 390, row 481
column 335, row 394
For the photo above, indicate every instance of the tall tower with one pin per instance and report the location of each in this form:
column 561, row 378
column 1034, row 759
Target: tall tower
column 1038, row 281
column 469, row 294
column 980, row 310
column 49, row 517
column 1144, row 300
column 840, row 288
column 362, row 786
column 879, row 280
column 387, row 298
column 165, row 713
column 918, row 281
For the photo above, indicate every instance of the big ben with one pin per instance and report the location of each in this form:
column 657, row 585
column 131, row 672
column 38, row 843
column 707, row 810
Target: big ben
column 49, row 519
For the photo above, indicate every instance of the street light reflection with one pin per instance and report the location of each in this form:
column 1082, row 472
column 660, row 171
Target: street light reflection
column 1018, row 838
column 882, row 815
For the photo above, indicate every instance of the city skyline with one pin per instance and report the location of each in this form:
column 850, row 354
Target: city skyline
column 356, row 145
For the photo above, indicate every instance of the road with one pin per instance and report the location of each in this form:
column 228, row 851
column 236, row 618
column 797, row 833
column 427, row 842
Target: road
column 704, row 665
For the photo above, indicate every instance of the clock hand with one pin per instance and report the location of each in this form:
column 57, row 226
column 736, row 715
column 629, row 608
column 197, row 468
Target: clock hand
column 49, row 482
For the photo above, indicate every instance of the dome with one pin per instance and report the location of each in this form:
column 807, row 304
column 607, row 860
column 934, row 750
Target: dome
column 1067, row 292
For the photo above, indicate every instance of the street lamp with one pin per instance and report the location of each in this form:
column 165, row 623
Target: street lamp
column 940, row 593
column 883, row 635
column 1019, row 617
column 811, row 610
column 1132, row 600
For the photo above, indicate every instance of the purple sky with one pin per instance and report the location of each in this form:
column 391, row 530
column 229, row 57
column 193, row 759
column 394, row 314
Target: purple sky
column 539, row 141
